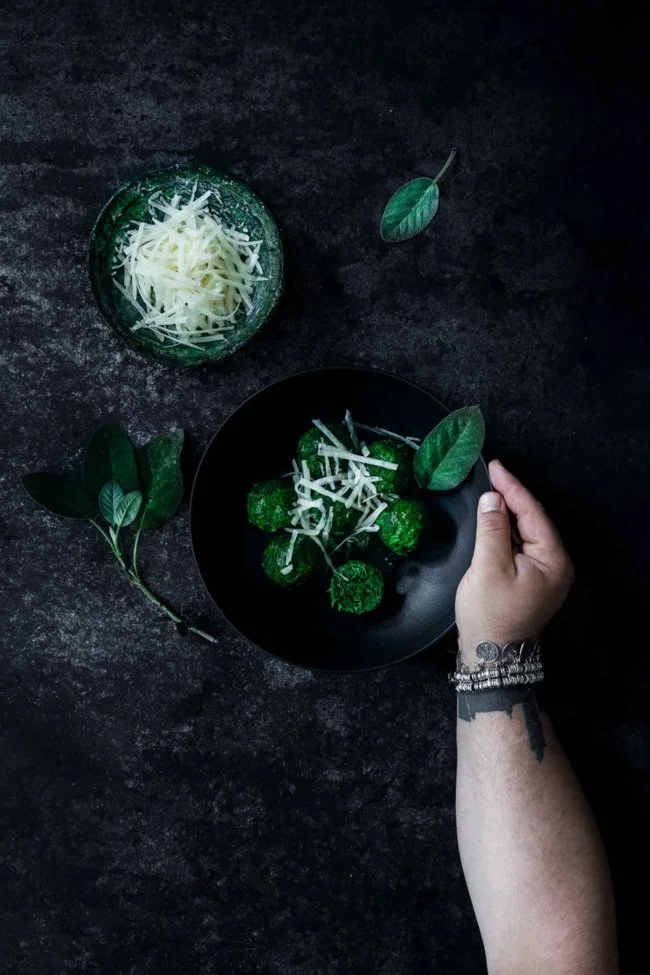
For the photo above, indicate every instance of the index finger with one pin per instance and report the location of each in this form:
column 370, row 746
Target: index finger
column 539, row 535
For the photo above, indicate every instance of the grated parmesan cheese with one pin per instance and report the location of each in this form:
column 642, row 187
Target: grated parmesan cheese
column 292, row 542
column 348, row 480
column 191, row 277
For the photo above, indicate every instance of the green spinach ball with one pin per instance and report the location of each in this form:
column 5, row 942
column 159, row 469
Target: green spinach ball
column 274, row 560
column 308, row 447
column 269, row 504
column 344, row 520
column 392, row 482
column 401, row 524
column 357, row 587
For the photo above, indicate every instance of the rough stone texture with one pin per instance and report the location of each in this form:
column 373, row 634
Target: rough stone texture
column 171, row 808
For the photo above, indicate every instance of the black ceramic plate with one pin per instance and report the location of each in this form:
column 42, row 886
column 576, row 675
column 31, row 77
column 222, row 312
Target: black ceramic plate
column 257, row 442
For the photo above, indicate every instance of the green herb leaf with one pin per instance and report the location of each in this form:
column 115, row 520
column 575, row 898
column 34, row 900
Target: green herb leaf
column 449, row 452
column 110, row 457
column 413, row 206
column 60, row 495
column 162, row 479
column 109, row 499
column 409, row 210
column 128, row 508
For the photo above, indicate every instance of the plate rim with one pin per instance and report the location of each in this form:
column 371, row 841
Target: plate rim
column 295, row 375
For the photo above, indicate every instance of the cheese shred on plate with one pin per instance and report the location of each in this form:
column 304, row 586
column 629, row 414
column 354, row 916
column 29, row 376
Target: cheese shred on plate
column 190, row 276
column 350, row 479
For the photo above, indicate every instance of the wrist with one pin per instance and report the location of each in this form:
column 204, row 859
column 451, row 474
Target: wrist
column 499, row 670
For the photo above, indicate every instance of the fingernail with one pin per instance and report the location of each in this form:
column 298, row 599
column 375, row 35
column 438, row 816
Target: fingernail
column 490, row 501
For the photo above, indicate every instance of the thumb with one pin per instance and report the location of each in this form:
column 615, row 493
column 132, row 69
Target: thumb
column 493, row 539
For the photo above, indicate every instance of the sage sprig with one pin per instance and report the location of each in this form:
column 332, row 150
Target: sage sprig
column 125, row 488
column 413, row 206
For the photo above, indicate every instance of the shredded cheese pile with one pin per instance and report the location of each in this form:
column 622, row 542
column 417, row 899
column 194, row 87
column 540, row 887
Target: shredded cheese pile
column 348, row 479
column 189, row 275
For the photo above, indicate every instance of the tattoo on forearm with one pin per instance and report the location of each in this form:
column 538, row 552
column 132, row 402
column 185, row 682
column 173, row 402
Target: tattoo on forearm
column 505, row 699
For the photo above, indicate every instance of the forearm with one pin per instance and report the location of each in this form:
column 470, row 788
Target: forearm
column 531, row 853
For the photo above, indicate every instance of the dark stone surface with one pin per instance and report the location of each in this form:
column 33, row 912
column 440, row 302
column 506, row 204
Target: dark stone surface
column 172, row 808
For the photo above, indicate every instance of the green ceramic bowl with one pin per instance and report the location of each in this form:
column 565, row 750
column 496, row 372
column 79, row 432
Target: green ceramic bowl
column 239, row 207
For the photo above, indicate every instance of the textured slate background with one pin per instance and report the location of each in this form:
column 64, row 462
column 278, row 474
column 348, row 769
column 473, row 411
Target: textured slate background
column 172, row 808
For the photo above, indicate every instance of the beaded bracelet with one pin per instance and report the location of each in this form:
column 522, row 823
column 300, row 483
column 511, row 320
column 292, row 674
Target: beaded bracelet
column 516, row 663
column 470, row 687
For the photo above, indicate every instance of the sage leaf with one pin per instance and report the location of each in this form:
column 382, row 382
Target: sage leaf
column 128, row 508
column 110, row 498
column 448, row 453
column 413, row 206
column 410, row 209
column 60, row 495
column 110, row 457
column 162, row 480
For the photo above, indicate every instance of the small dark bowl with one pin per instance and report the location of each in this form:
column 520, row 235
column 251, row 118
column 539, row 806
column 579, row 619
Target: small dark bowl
column 298, row 625
column 239, row 207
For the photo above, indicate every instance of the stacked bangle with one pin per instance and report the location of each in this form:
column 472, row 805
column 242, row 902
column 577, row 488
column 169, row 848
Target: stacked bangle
column 516, row 663
column 471, row 686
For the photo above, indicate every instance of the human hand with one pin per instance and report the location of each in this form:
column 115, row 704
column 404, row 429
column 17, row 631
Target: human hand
column 510, row 595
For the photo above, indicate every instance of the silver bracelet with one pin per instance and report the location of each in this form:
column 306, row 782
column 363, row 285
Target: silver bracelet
column 470, row 687
column 503, row 671
column 516, row 663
